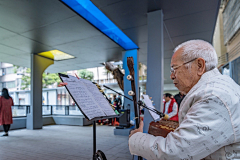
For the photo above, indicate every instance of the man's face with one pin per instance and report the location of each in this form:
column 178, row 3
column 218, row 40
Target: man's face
column 166, row 98
column 183, row 78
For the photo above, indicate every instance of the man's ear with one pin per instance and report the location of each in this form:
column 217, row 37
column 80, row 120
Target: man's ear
column 201, row 66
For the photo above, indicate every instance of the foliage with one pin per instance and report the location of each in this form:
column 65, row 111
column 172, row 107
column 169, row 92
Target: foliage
column 15, row 68
column 85, row 74
column 50, row 79
column 26, row 80
column 47, row 79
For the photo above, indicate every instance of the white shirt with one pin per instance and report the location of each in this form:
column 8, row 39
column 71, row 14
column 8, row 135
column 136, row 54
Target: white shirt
column 174, row 109
column 209, row 127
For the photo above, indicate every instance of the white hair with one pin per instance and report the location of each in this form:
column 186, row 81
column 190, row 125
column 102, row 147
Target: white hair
column 199, row 49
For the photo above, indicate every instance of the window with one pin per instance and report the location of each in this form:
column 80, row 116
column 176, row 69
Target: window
column 19, row 81
column 3, row 71
column 9, row 70
column 8, row 84
column 4, row 85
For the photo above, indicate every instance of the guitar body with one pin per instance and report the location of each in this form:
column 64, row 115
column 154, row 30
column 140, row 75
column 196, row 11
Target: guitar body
column 162, row 127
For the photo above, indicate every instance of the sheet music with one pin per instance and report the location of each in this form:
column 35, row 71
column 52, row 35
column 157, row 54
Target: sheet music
column 98, row 96
column 83, row 97
column 92, row 103
column 148, row 103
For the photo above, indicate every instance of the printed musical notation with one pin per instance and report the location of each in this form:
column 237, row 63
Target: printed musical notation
column 149, row 104
column 88, row 98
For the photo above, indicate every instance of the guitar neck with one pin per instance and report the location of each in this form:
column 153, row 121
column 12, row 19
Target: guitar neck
column 136, row 111
column 132, row 79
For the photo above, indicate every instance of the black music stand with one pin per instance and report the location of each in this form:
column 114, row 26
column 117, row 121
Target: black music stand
column 95, row 154
column 99, row 155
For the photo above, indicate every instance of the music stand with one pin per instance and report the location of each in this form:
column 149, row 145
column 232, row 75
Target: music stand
column 95, row 154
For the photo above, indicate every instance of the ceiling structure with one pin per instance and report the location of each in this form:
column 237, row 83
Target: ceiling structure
column 34, row 26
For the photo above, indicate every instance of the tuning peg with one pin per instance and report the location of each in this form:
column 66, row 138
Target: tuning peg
column 131, row 93
column 129, row 77
column 101, row 91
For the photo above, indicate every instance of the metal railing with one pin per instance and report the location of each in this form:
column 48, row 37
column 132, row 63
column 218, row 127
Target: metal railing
column 47, row 110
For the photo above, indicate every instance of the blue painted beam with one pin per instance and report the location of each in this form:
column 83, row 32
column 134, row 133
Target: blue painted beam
column 87, row 10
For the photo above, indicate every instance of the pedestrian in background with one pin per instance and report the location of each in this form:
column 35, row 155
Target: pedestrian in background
column 179, row 97
column 6, row 103
column 170, row 107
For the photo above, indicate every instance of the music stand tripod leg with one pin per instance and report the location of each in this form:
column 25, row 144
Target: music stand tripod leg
column 97, row 155
column 94, row 141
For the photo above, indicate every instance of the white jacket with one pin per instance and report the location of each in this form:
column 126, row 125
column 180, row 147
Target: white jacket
column 209, row 127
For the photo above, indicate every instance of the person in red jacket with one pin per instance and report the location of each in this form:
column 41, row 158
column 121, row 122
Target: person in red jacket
column 6, row 103
column 170, row 107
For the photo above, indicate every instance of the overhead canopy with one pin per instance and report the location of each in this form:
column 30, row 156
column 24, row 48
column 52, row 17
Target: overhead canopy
column 36, row 26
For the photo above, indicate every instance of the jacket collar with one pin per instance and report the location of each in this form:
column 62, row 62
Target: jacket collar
column 205, row 77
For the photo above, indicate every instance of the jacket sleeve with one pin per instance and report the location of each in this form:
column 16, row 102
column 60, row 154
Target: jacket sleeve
column 206, row 128
column 174, row 110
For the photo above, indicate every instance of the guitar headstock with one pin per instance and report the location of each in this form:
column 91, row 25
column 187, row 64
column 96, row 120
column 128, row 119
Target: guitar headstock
column 130, row 65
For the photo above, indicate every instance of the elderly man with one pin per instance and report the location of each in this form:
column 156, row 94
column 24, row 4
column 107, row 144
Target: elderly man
column 209, row 115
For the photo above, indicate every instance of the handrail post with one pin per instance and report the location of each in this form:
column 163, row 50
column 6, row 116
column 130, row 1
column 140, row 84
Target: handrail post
column 28, row 109
column 51, row 110
column 66, row 110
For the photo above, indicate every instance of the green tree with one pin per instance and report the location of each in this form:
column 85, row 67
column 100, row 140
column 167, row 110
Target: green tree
column 50, row 79
column 47, row 79
column 85, row 74
column 26, row 79
column 15, row 68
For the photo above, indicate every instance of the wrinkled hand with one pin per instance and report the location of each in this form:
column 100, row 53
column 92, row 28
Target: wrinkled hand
column 62, row 84
column 140, row 129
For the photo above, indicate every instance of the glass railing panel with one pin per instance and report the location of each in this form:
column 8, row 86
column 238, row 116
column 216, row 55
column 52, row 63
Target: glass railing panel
column 19, row 111
column 46, row 110
column 58, row 109
column 74, row 110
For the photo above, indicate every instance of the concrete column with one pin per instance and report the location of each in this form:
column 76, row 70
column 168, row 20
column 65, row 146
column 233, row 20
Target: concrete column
column 127, row 84
column 38, row 65
column 155, row 70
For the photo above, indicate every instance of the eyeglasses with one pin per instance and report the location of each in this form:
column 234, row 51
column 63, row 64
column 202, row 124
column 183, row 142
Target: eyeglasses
column 173, row 69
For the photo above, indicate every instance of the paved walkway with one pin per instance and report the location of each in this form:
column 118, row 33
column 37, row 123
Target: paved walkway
column 60, row 142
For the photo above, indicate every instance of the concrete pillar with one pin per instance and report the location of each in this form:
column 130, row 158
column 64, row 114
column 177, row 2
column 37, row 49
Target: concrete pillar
column 38, row 66
column 127, row 84
column 155, row 70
